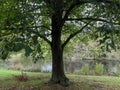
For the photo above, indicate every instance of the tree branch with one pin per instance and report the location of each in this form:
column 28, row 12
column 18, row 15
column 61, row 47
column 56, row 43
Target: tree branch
column 73, row 5
column 74, row 34
column 31, row 31
column 46, row 27
column 93, row 19
column 41, row 36
column 79, row 2
column 42, row 26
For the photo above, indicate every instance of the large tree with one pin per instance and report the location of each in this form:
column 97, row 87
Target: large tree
column 24, row 22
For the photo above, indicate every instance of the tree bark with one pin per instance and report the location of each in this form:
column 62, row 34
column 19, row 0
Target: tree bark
column 58, row 75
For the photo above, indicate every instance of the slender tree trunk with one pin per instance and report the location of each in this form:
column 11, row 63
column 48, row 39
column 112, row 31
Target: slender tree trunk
column 58, row 75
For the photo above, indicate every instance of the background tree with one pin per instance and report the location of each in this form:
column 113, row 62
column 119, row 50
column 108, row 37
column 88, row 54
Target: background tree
column 24, row 22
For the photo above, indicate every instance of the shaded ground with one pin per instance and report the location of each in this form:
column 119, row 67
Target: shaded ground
column 36, row 81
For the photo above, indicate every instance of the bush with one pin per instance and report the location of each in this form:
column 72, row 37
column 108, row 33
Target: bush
column 85, row 69
column 99, row 69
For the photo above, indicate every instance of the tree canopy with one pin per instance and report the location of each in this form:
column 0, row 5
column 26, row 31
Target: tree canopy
column 23, row 23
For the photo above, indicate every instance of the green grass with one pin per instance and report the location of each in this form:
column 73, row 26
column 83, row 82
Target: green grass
column 107, row 79
column 5, row 74
column 37, row 80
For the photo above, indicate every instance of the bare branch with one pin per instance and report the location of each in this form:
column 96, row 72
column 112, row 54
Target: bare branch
column 74, row 34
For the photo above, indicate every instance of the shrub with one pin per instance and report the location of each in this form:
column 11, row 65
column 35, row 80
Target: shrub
column 85, row 69
column 99, row 69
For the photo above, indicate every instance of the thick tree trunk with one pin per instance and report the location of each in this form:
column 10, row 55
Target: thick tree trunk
column 58, row 75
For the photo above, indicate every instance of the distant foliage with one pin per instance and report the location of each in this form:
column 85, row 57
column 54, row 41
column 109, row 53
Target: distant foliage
column 85, row 70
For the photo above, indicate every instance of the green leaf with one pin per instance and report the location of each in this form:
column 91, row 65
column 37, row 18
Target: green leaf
column 18, row 47
column 28, row 51
column 4, row 54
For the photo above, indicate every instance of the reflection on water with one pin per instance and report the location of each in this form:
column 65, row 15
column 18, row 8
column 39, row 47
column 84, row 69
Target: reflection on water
column 71, row 66
column 111, row 66
column 47, row 67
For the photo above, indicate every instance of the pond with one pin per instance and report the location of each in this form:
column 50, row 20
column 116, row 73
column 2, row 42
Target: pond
column 109, row 66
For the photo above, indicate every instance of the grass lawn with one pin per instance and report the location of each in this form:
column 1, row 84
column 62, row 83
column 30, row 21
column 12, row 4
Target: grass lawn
column 36, row 81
